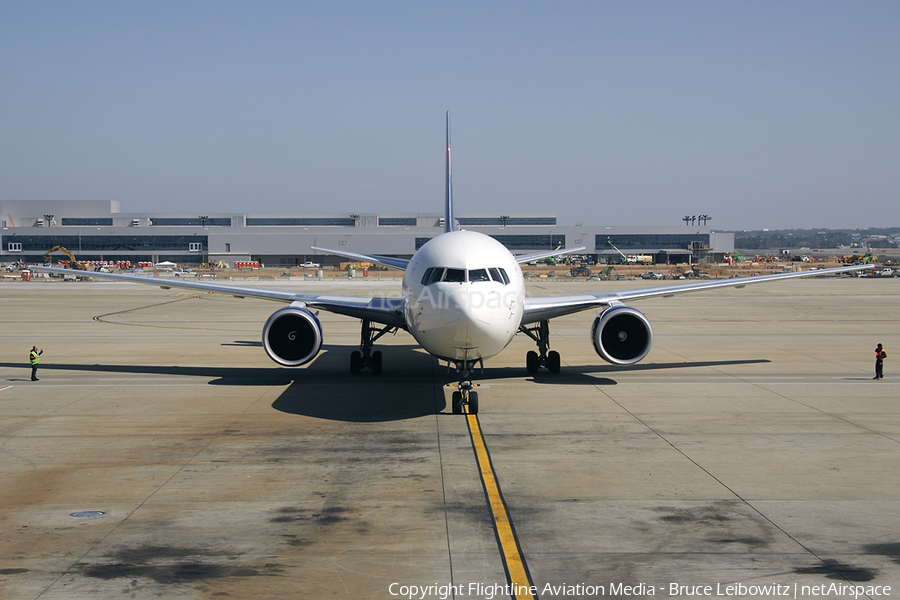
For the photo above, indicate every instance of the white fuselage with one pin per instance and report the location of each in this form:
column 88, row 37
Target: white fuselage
column 463, row 296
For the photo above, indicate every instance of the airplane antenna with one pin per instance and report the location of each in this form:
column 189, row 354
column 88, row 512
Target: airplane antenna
column 449, row 222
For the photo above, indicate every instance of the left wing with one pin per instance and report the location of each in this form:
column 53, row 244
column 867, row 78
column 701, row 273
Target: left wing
column 542, row 309
column 388, row 311
column 397, row 263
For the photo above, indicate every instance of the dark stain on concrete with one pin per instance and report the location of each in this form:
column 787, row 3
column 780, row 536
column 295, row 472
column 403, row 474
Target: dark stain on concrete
column 149, row 553
column 330, row 515
column 476, row 511
column 285, row 519
column 891, row 549
column 294, row 540
column 752, row 542
column 325, row 516
column 172, row 565
column 834, row 569
column 701, row 514
column 290, row 514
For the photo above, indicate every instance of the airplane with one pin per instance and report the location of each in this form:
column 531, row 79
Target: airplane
column 463, row 300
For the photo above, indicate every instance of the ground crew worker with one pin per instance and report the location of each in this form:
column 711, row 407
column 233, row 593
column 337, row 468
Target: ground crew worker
column 35, row 357
column 880, row 355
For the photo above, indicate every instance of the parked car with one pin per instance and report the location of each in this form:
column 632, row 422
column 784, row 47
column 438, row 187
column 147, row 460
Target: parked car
column 309, row 265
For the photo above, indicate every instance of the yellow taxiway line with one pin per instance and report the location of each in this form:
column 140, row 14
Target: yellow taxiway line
column 521, row 586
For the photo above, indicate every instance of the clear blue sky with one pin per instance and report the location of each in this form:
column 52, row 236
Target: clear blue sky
column 760, row 114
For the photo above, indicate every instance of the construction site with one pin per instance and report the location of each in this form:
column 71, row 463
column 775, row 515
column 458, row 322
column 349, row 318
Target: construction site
column 561, row 269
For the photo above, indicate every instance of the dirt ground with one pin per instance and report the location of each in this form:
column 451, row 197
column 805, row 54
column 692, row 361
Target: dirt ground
column 671, row 271
column 622, row 271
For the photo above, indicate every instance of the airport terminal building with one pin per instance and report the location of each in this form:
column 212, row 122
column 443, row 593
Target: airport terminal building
column 97, row 230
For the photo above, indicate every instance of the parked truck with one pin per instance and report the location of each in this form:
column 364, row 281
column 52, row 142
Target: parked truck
column 639, row 259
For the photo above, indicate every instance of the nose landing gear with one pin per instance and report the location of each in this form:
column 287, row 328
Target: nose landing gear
column 465, row 396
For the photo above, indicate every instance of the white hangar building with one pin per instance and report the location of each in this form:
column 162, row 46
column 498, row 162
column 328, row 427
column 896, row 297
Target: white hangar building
column 97, row 230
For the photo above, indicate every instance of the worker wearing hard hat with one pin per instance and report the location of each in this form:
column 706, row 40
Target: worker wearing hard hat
column 35, row 357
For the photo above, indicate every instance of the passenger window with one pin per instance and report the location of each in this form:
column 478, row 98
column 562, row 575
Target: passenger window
column 454, row 275
column 479, row 275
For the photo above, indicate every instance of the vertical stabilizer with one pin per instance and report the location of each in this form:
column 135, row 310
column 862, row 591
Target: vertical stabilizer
column 449, row 222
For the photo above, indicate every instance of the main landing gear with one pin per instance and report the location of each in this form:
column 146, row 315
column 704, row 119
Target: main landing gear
column 364, row 358
column 465, row 394
column 540, row 333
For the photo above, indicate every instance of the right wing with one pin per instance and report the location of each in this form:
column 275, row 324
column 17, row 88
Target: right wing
column 388, row 311
column 524, row 258
column 549, row 307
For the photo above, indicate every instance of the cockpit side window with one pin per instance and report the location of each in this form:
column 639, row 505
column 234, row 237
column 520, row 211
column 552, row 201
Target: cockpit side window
column 479, row 275
column 434, row 276
column 426, row 278
column 499, row 275
column 454, row 275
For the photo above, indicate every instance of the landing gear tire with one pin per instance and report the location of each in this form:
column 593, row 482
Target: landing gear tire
column 473, row 403
column 457, row 403
column 364, row 358
column 540, row 333
column 553, row 361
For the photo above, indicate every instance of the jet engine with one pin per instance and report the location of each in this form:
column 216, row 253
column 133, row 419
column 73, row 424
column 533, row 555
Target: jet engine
column 622, row 335
column 292, row 336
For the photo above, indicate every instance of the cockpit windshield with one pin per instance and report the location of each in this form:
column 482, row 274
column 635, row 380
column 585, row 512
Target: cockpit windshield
column 454, row 275
column 479, row 275
column 435, row 274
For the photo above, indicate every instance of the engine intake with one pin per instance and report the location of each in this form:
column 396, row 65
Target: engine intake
column 292, row 336
column 622, row 335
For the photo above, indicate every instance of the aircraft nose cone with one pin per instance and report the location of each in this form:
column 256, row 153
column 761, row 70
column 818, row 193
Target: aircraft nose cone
column 469, row 305
column 464, row 321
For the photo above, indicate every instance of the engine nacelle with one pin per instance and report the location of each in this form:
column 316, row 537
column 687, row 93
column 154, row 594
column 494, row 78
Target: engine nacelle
column 292, row 336
column 622, row 335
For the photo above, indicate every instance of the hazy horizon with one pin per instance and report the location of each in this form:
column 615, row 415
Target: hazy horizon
column 762, row 115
